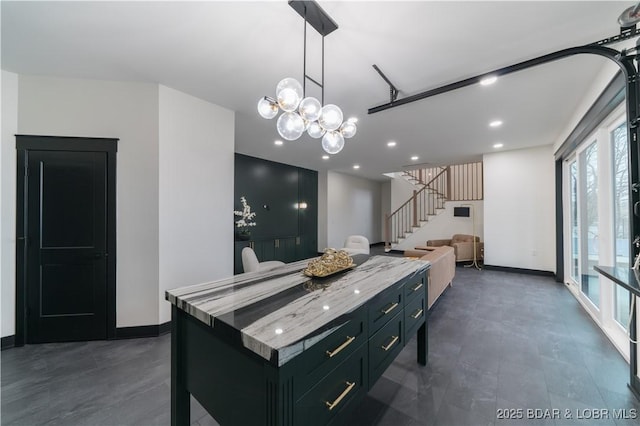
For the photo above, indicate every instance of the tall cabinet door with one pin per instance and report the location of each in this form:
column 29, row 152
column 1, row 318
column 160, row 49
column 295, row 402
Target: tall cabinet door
column 307, row 244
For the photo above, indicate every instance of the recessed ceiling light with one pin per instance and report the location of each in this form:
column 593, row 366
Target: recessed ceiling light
column 391, row 144
column 278, row 143
column 498, row 145
column 325, row 157
column 414, row 158
column 488, row 80
column 356, row 166
column 495, row 123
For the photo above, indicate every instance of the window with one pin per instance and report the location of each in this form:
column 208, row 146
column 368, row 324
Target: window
column 598, row 222
column 573, row 177
column 589, row 279
column 620, row 156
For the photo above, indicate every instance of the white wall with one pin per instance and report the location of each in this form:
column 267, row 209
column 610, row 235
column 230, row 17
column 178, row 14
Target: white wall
column 401, row 191
column 174, row 149
column 519, row 209
column 196, row 200
column 9, row 114
column 128, row 111
column 353, row 208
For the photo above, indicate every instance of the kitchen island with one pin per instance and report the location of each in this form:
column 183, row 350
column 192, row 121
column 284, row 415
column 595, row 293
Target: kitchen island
column 280, row 348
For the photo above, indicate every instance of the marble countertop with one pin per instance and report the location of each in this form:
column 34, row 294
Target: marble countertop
column 279, row 313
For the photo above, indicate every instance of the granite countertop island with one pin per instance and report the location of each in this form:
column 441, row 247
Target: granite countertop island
column 277, row 314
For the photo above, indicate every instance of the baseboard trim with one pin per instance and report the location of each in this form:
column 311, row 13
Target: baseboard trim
column 143, row 331
column 520, row 270
column 8, row 342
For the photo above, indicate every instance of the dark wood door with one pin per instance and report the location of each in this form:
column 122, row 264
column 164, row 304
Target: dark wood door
column 66, row 251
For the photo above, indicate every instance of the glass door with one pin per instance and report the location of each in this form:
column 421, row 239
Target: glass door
column 573, row 200
column 589, row 280
column 620, row 146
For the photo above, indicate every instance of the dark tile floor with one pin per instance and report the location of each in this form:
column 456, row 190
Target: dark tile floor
column 497, row 341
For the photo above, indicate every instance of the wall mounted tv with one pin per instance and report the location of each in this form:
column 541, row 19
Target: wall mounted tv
column 461, row 211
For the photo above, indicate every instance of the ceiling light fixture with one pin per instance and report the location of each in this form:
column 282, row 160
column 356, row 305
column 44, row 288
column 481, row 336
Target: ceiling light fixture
column 488, row 80
column 325, row 157
column 356, row 166
column 278, row 142
column 495, row 123
column 498, row 145
column 414, row 158
column 303, row 113
column 391, row 144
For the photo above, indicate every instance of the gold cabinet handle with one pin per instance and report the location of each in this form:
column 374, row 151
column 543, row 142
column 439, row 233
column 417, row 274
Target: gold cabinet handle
column 346, row 343
column 393, row 341
column 390, row 308
column 332, row 405
column 416, row 288
column 417, row 314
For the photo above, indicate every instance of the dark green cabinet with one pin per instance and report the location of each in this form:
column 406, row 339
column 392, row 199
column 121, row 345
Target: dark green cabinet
column 285, row 200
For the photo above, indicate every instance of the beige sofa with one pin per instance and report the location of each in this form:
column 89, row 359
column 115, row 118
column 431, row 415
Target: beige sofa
column 462, row 246
column 442, row 271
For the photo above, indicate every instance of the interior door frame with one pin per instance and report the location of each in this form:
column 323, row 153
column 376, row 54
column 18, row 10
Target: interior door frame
column 26, row 143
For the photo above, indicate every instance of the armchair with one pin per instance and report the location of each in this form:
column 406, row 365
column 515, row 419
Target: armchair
column 462, row 246
column 250, row 262
column 356, row 244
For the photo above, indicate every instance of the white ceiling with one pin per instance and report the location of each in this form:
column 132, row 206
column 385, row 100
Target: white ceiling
column 232, row 53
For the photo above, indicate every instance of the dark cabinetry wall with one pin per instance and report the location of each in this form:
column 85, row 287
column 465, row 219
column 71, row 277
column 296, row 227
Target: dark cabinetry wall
column 274, row 190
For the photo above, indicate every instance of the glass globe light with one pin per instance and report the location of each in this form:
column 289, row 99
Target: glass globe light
column 310, row 108
column 289, row 83
column 332, row 142
column 330, row 117
column 290, row 126
column 348, row 129
column 289, row 94
column 288, row 100
column 267, row 109
column 315, row 130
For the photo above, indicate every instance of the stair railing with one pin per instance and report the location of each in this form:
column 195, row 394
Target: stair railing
column 417, row 208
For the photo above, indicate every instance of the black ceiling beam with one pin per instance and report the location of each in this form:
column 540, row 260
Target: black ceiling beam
column 315, row 16
column 597, row 48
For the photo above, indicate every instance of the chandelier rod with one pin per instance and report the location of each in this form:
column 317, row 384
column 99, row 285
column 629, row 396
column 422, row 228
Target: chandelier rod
column 304, row 63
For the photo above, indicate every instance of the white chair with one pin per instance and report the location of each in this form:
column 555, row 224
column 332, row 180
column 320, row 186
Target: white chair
column 250, row 262
column 356, row 244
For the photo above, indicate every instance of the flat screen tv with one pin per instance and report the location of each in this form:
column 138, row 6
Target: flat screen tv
column 461, row 211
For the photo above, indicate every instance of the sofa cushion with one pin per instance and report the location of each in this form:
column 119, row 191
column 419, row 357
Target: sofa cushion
column 463, row 238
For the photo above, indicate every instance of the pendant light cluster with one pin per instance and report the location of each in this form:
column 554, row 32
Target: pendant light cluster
column 307, row 114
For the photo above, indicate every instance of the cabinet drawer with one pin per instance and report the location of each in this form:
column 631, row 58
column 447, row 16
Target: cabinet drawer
column 384, row 346
column 415, row 287
column 335, row 393
column 414, row 315
column 384, row 307
column 326, row 354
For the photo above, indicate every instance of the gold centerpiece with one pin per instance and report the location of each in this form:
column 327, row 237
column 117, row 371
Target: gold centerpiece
column 332, row 261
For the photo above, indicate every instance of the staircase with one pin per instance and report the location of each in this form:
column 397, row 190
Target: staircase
column 434, row 187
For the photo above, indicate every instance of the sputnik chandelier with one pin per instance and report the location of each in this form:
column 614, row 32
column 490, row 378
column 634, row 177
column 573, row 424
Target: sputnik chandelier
column 302, row 113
